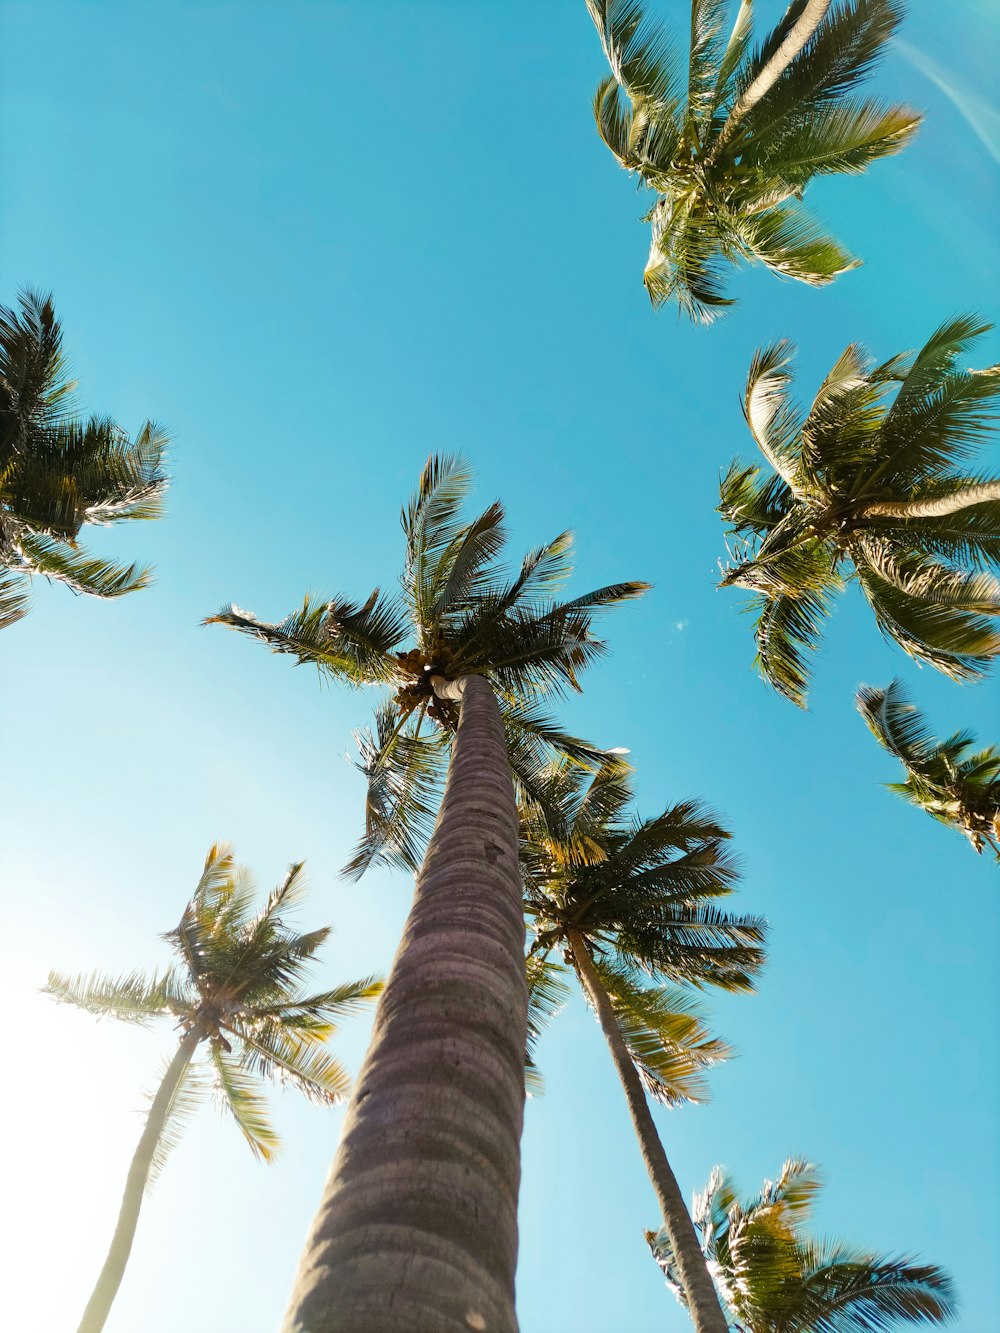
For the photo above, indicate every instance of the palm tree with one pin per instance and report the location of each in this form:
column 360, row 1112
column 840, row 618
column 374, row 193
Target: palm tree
column 875, row 489
column 429, row 1158
column 950, row 779
column 630, row 901
column 59, row 471
column 236, row 994
column 774, row 1278
column 729, row 135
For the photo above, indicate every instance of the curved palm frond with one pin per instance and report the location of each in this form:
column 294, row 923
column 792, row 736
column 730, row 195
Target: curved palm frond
column 665, row 1034
column 949, row 779
column 547, row 994
column 132, row 999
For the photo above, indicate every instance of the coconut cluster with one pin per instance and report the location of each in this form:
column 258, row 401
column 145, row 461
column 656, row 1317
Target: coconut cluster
column 420, row 665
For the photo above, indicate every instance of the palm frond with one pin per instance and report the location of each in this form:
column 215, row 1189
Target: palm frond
column 133, row 998
column 15, row 597
column 237, row 1093
column 290, row 1059
column 191, row 1090
column 848, row 1290
column 431, row 522
column 665, row 1034
column 404, row 771
column 547, row 994
column 792, row 244
column 37, row 553
column 643, row 60
column 348, row 641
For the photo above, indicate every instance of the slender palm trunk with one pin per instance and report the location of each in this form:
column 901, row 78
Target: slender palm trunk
column 99, row 1306
column 939, row 507
column 813, row 14
column 703, row 1301
column 417, row 1228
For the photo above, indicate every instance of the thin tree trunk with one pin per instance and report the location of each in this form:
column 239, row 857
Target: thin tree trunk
column 938, row 507
column 417, row 1228
column 805, row 25
column 99, row 1306
column 703, row 1301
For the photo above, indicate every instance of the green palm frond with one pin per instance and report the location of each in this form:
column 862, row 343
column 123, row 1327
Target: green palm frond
column 848, row 1290
column 431, row 524
column 404, row 768
column 132, row 998
column 290, row 1059
column 348, row 641
column 35, row 390
column 950, row 779
column 665, row 1034
column 192, row 1089
column 238, row 1093
column 39, row 554
column 643, row 61
column 547, row 994
column 15, row 597
column 792, row 244
column 317, row 1014
column 788, row 629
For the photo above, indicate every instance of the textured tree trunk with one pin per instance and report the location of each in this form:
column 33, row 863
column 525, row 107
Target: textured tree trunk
column 703, row 1301
column 417, row 1228
column 99, row 1306
column 808, row 21
column 939, row 507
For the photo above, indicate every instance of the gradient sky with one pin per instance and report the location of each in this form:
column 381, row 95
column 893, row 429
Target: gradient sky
column 318, row 242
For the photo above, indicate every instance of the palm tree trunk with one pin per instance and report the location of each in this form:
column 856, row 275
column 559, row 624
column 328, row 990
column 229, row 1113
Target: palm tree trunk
column 938, row 507
column 99, row 1306
column 417, row 1228
column 813, row 14
column 702, row 1299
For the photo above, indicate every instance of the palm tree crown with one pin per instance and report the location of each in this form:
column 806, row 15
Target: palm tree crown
column 950, row 779
column 237, row 983
column 641, row 895
column 466, row 615
column 774, row 1278
column 59, row 471
column 874, row 488
column 729, row 135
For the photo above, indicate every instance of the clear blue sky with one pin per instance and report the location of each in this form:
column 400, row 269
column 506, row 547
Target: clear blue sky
column 319, row 241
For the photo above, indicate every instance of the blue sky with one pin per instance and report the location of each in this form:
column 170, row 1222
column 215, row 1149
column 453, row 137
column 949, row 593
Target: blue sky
column 319, row 242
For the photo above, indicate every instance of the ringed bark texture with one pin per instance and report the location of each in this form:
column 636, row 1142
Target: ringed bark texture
column 703, row 1301
column 417, row 1228
column 99, row 1306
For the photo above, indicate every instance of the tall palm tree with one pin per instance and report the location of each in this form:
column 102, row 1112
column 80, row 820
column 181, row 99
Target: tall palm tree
column 59, row 471
column 950, row 779
column 235, row 993
column 728, row 135
column 774, row 1278
column 429, row 1159
column 875, row 487
column 630, row 902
